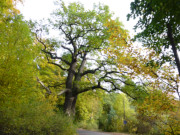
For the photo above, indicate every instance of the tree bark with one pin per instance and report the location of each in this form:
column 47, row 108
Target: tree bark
column 71, row 95
column 174, row 48
column 70, row 103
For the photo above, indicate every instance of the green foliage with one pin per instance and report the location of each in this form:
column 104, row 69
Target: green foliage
column 137, row 92
column 116, row 109
column 8, row 9
column 26, row 109
column 86, row 26
column 16, row 62
column 160, row 24
column 50, row 75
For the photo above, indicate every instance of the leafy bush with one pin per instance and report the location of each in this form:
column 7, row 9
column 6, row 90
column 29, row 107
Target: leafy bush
column 33, row 117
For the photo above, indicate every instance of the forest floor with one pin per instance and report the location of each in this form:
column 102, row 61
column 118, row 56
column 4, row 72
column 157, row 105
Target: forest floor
column 86, row 132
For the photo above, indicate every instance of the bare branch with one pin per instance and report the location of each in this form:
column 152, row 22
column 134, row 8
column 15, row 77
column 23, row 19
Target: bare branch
column 68, row 36
column 85, row 31
column 161, row 78
column 63, row 91
column 54, row 56
column 117, row 88
column 47, row 89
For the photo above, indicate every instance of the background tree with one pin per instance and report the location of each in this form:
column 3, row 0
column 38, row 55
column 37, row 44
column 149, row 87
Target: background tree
column 160, row 24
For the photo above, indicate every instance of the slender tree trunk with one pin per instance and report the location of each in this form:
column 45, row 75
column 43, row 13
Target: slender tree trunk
column 174, row 48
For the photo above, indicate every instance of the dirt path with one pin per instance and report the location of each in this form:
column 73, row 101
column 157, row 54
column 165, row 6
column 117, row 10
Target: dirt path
column 86, row 132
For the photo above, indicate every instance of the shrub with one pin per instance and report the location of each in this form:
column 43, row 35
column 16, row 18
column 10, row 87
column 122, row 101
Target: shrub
column 33, row 117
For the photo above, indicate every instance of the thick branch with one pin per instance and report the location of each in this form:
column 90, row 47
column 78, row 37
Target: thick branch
column 54, row 56
column 117, row 88
column 92, row 71
column 91, row 88
column 68, row 36
column 82, row 64
column 39, row 40
column 68, row 50
column 83, row 32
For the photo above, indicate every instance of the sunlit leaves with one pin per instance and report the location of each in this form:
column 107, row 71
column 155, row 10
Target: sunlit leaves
column 17, row 53
column 8, row 8
column 160, row 109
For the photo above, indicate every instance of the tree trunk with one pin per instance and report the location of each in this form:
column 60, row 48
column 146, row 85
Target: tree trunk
column 173, row 44
column 70, row 96
column 70, row 103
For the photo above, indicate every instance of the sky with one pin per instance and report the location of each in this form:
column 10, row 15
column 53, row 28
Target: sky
column 39, row 9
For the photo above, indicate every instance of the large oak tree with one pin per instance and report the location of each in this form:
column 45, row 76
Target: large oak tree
column 79, row 50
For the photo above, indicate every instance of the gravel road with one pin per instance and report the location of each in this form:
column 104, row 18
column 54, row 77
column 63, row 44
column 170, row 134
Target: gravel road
column 86, row 132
